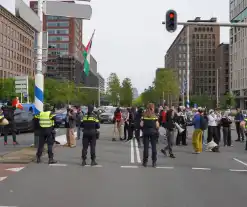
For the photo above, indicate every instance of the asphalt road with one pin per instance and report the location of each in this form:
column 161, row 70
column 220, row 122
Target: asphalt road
column 208, row 179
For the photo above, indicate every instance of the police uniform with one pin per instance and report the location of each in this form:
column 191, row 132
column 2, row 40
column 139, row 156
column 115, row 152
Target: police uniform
column 149, row 135
column 89, row 124
column 46, row 128
column 9, row 113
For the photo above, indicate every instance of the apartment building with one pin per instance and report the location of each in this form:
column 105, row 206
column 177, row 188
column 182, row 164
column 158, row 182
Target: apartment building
column 237, row 54
column 16, row 46
column 203, row 41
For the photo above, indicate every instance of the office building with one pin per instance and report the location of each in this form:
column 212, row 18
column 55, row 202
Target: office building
column 101, row 83
column 16, row 46
column 65, row 56
column 135, row 93
column 237, row 53
column 222, row 65
column 203, row 41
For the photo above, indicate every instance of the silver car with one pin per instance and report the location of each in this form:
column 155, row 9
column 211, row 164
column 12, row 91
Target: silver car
column 107, row 116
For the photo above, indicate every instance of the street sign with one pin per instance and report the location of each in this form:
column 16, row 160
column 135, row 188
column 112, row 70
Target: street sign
column 21, row 84
column 64, row 9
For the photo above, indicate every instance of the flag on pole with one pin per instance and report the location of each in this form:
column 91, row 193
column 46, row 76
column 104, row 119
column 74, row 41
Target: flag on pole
column 86, row 55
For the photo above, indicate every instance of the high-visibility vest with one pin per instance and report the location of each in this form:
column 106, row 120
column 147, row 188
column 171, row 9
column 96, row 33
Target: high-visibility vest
column 245, row 123
column 45, row 119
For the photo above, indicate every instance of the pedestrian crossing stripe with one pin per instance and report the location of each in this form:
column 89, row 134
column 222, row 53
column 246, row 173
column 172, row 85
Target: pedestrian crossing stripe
column 16, row 169
column 93, row 166
column 58, row 165
column 1, row 179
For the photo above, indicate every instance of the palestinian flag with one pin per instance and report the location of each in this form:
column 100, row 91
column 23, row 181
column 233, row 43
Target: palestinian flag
column 86, row 55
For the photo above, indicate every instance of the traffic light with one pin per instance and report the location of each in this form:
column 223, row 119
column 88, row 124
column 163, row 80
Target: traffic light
column 171, row 21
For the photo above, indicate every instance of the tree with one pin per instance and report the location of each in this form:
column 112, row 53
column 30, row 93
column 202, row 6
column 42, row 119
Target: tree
column 149, row 95
column 138, row 101
column 113, row 88
column 228, row 101
column 202, row 101
column 126, row 93
column 7, row 88
column 166, row 83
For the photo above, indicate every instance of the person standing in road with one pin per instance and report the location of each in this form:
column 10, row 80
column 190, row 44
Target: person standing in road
column 126, row 123
column 9, row 114
column 117, row 128
column 131, row 123
column 150, row 125
column 70, row 124
column 245, row 129
column 212, row 127
column 170, row 126
column 198, row 132
column 46, row 120
column 90, row 125
column 226, row 124
column 79, row 117
column 238, row 118
column 138, row 118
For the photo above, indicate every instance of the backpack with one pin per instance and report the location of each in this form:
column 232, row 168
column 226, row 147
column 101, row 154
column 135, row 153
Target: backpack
column 203, row 123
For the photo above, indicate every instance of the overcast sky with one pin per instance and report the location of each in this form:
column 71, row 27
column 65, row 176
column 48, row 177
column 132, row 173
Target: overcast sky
column 130, row 39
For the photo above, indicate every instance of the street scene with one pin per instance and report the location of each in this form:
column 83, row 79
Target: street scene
column 123, row 103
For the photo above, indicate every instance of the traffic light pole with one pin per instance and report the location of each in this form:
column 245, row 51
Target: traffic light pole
column 188, row 68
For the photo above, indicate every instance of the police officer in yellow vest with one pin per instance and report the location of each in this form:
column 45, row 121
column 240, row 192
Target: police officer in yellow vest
column 46, row 120
column 150, row 125
column 89, row 126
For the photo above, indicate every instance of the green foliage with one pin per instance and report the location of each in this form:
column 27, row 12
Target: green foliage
column 203, row 101
column 138, row 101
column 55, row 92
column 113, row 88
column 149, row 95
column 126, row 94
column 228, row 101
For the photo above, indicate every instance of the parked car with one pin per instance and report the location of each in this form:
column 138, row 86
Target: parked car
column 23, row 121
column 107, row 116
column 60, row 118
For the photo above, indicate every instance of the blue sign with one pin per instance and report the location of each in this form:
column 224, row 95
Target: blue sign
column 25, row 95
column 195, row 106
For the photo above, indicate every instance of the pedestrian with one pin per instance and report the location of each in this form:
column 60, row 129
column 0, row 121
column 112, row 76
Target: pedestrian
column 181, row 136
column 198, row 132
column 138, row 118
column 45, row 120
column 226, row 125
column 9, row 114
column 126, row 123
column 240, row 131
column 212, row 127
column 131, row 122
column 70, row 124
column 170, row 126
column 150, row 125
column 79, row 117
column 90, row 125
column 117, row 121
column 245, row 130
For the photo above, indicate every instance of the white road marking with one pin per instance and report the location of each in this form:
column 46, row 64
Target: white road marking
column 199, row 168
column 132, row 153
column 138, row 157
column 233, row 170
column 129, row 166
column 58, row 165
column 243, row 163
column 160, row 167
column 1, row 179
column 16, row 169
column 93, row 166
column 8, row 206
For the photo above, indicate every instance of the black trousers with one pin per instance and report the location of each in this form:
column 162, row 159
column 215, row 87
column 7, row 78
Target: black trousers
column 137, row 134
column 227, row 136
column 240, row 131
column 181, row 137
column 218, row 132
column 86, row 141
column 213, row 134
column 131, row 129
column 146, row 140
column 45, row 136
column 126, row 128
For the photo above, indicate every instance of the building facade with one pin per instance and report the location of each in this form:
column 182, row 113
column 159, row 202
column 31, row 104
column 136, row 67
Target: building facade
column 101, row 83
column 16, row 46
column 65, row 49
column 203, row 41
column 238, row 56
column 222, row 65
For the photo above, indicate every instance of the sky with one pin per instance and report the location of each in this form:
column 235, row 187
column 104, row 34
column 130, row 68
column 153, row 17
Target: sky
column 130, row 39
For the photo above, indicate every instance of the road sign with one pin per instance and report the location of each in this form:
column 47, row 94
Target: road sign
column 64, row 9
column 21, row 84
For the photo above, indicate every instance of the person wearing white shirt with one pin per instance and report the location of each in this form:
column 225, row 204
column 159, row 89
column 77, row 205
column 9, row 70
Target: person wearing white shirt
column 212, row 127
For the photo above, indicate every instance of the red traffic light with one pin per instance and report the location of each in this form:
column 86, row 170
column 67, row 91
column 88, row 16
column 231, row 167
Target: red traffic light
column 171, row 15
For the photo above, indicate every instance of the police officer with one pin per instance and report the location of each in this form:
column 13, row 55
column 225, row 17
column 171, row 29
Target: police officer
column 89, row 124
column 9, row 113
column 46, row 128
column 150, row 125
